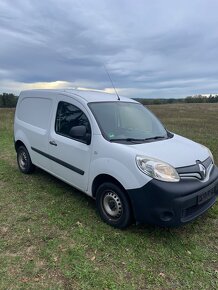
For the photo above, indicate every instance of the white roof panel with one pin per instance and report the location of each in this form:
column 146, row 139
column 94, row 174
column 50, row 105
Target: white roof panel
column 86, row 95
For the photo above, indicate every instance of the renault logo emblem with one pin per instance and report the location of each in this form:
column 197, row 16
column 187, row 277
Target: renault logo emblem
column 202, row 170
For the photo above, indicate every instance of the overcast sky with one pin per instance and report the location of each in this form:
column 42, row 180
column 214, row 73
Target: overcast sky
column 152, row 48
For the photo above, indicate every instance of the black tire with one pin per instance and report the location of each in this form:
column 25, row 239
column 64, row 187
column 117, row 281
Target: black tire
column 24, row 161
column 113, row 205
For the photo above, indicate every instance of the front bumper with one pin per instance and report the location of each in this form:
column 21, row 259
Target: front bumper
column 172, row 204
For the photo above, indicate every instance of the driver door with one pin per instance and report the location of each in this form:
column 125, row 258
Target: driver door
column 70, row 157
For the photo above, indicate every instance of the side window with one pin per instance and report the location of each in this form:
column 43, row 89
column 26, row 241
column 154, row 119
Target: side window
column 71, row 122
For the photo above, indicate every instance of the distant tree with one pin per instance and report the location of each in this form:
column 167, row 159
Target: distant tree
column 8, row 100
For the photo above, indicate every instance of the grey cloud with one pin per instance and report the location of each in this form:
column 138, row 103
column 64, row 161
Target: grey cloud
column 151, row 48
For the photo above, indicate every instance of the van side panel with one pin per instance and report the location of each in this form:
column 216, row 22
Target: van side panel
column 35, row 111
column 32, row 122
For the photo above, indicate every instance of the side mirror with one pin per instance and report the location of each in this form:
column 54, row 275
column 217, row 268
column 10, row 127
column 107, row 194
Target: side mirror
column 80, row 133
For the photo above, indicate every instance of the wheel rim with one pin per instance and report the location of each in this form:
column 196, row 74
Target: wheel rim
column 112, row 204
column 22, row 159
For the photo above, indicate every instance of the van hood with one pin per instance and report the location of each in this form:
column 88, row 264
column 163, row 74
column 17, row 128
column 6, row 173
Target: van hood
column 177, row 151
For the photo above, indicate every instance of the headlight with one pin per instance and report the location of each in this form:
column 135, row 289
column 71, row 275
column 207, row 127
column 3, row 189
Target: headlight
column 157, row 169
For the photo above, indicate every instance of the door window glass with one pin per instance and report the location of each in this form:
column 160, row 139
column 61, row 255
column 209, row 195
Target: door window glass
column 72, row 122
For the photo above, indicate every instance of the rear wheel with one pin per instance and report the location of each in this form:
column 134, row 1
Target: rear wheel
column 24, row 161
column 113, row 205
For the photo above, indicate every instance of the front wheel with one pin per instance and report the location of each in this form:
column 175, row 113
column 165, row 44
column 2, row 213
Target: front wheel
column 113, row 205
column 24, row 161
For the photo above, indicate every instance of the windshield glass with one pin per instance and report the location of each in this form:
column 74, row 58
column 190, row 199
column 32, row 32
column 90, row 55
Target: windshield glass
column 127, row 121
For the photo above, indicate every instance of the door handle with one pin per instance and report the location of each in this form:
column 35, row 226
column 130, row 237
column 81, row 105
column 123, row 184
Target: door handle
column 53, row 143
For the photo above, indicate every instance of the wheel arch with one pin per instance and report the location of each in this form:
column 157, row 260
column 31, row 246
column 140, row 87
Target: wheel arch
column 17, row 144
column 102, row 178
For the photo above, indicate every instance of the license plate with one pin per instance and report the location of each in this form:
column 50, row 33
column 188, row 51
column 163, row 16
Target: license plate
column 206, row 195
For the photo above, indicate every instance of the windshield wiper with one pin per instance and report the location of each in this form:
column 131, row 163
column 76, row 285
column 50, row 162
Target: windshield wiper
column 155, row 138
column 127, row 139
column 138, row 140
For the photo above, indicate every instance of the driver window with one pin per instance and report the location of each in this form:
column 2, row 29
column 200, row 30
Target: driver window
column 69, row 116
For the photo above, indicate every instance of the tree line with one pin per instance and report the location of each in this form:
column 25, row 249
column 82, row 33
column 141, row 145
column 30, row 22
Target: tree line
column 10, row 100
column 189, row 99
column 202, row 99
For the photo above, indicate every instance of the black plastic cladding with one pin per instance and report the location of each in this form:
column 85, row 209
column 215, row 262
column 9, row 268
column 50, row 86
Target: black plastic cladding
column 157, row 198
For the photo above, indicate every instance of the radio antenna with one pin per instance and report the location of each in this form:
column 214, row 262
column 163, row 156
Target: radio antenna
column 118, row 97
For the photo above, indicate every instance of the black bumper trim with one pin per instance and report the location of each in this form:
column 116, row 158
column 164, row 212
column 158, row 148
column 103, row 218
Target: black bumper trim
column 173, row 204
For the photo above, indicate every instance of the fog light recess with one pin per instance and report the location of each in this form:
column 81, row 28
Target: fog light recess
column 166, row 216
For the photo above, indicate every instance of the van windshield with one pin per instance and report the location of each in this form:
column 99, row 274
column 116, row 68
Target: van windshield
column 127, row 122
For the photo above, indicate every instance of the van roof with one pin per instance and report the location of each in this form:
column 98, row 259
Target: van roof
column 86, row 95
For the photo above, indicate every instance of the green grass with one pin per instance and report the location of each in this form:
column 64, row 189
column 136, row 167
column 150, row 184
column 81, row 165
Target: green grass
column 52, row 238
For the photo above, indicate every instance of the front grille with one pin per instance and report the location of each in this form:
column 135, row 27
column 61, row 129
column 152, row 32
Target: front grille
column 195, row 171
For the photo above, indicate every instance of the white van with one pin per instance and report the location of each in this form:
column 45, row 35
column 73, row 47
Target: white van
column 118, row 152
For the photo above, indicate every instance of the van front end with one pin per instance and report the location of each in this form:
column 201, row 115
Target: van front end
column 172, row 204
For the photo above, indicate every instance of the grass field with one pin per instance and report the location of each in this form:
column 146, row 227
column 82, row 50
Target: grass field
column 52, row 238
